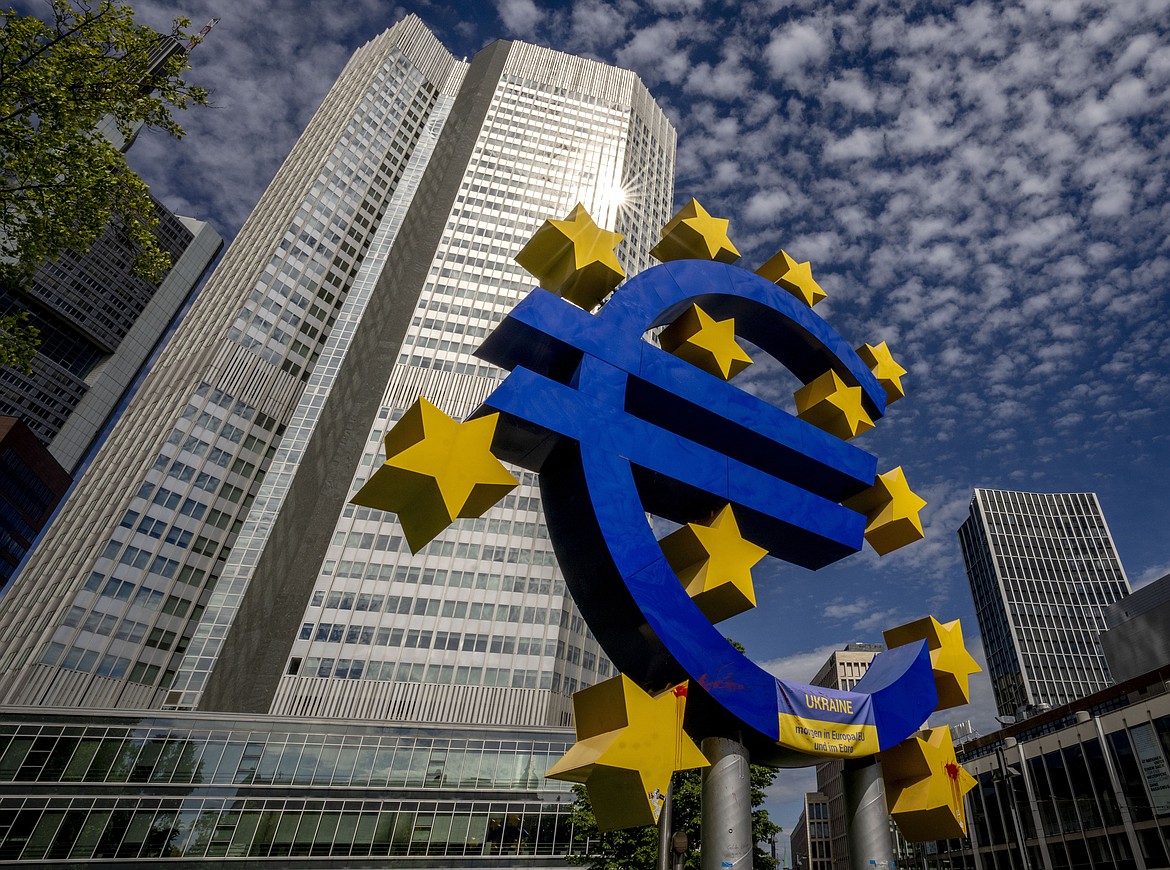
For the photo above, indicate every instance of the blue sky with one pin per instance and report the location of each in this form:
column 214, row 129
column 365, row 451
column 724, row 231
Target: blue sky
column 983, row 185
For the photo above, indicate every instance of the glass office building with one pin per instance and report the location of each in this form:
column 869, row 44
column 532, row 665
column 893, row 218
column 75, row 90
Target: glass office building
column 1043, row 569
column 277, row 792
column 1086, row 785
column 209, row 558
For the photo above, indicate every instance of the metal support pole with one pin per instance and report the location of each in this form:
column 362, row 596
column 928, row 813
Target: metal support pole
column 1122, row 799
column 1013, row 806
column 665, row 829
column 727, row 806
column 867, row 822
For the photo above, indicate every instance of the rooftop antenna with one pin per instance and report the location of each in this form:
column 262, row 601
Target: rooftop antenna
column 199, row 37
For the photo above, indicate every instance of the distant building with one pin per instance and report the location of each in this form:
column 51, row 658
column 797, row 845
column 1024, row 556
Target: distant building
column 31, row 485
column 843, row 669
column 1086, row 785
column 810, row 842
column 99, row 323
column 1043, row 569
column 1138, row 638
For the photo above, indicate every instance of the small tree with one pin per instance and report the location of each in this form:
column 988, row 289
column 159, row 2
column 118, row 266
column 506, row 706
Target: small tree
column 637, row 848
column 18, row 341
column 61, row 181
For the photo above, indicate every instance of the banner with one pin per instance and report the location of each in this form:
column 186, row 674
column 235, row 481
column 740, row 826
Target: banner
column 827, row 722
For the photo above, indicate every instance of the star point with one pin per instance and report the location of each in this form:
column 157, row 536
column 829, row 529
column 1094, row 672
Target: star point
column 796, row 278
column 953, row 665
column 714, row 562
column 925, row 785
column 693, row 234
column 574, row 258
column 436, row 469
column 832, row 405
column 887, row 371
column 629, row 743
column 707, row 343
column 891, row 511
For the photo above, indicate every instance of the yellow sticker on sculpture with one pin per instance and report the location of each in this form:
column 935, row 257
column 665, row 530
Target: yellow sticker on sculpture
column 574, row 258
column 891, row 511
column 436, row 469
column 693, row 234
column 951, row 662
column 714, row 562
column 628, row 746
column 706, row 343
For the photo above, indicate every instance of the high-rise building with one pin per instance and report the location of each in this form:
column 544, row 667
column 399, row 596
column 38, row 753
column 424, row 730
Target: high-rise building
column 209, row 557
column 1043, row 569
column 99, row 322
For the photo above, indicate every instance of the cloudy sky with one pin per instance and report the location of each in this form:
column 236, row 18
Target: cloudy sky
column 981, row 184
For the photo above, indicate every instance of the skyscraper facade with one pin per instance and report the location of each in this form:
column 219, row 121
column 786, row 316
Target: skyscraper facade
column 209, row 558
column 1043, row 568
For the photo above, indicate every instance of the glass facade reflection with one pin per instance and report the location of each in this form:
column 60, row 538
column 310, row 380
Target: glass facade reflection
column 77, row 788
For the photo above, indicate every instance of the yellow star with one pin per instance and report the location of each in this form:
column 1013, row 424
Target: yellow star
column 705, row 342
column 436, row 469
column 574, row 258
column 794, row 277
column 885, row 369
column 891, row 512
column 829, row 404
column 951, row 662
column 692, row 234
column 714, row 562
column 925, row 785
column 628, row 745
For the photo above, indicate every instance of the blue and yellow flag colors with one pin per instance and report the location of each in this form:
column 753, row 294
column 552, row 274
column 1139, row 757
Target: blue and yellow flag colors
column 821, row 721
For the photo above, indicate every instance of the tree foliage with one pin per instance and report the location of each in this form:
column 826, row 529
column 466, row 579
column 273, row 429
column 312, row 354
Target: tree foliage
column 18, row 341
column 61, row 181
column 637, row 848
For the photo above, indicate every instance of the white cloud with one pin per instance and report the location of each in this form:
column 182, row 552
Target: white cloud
column 596, row 23
column 726, row 80
column 519, row 16
column 851, row 91
column 655, row 51
column 795, row 47
column 801, row 667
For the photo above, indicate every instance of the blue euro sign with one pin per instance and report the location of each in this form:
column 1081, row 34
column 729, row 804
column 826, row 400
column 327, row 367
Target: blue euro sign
column 616, row 427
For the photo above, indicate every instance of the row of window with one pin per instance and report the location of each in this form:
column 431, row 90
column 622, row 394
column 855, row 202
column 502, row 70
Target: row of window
column 222, row 756
column 169, row 828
